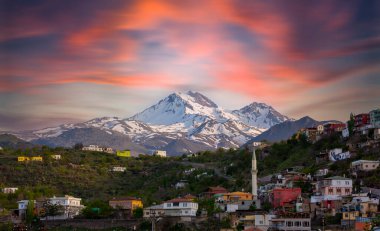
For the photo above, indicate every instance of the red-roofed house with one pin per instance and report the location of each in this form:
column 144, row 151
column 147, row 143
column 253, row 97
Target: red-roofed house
column 214, row 190
column 282, row 196
column 180, row 207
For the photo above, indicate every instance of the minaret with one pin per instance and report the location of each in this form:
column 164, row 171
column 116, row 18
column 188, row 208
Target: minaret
column 254, row 173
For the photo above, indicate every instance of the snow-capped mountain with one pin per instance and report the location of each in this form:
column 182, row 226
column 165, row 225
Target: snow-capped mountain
column 181, row 122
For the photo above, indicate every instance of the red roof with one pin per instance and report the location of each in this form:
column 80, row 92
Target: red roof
column 189, row 196
column 217, row 188
column 179, row 200
column 124, row 199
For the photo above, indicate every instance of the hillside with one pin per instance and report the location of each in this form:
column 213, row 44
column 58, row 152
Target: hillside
column 11, row 141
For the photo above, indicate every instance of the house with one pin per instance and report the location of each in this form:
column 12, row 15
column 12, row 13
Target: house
column 96, row 148
column 125, row 153
column 237, row 196
column 374, row 116
column 159, row 153
column 211, row 191
column 291, row 222
column 178, row 207
column 335, row 185
column 330, row 128
column 9, row 190
column 320, row 129
column 252, row 220
column 361, row 120
column 56, row 157
column 231, row 202
column 312, row 134
column 154, row 211
column 321, row 172
column 181, row 184
column 280, row 196
column 365, row 165
column 119, row 169
column 126, row 205
column 25, row 158
column 71, row 207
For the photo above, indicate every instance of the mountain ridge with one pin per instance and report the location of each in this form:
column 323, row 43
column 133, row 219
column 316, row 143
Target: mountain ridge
column 180, row 122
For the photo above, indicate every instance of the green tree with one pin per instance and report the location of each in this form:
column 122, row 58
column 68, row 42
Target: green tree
column 29, row 212
column 138, row 212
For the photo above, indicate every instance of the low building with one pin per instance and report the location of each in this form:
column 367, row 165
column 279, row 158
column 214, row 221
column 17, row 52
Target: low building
column 125, row 153
column 330, row 128
column 291, row 222
column 119, row 169
column 321, row 172
column 10, row 190
column 365, row 165
column 126, row 204
column 22, row 207
column 159, row 153
column 96, row 148
column 25, row 158
column 237, row 196
column 181, row 184
column 282, row 196
column 335, row 185
column 154, row 211
column 56, row 157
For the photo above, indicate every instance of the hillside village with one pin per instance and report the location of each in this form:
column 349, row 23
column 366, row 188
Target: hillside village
column 325, row 177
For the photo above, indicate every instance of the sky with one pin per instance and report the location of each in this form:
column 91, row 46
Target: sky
column 71, row 61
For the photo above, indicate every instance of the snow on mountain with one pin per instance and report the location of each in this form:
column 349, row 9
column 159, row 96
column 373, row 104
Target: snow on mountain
column 260, row 115
column 186, row 119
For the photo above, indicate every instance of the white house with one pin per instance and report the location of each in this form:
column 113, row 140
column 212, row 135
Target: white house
column 159, row 153
column 56, row 157
column 96, row 148
column 9, row 190
column 322, row 172
column 180, row 207
column 181, row 184
column 71, row 206
column 119, row 169
column 335, row 185
column 365, row 165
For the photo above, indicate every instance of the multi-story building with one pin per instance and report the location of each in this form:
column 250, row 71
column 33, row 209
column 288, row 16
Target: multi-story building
column 22, row 207
column 178, row 207
column 374, row 116
column 335, row 185
column 71, row 207
column 364, row 165
column 361, row 120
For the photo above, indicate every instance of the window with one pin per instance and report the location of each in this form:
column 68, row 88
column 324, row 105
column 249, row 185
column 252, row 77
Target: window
column 338, row 190
column 346, row 215
column 289, row 223
column 347, row 190
column 186, row 212
column 347, row 182
column 331, row 191
column 175, row 204
column 169, row 205
column 261, row 222
column 297, row 223
column 184, row 204
column 306, row 224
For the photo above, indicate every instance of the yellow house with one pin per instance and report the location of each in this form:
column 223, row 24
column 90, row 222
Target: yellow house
column 22, row 158
column 125, row 153
column 36, row 158
column 237, row 196
column 128, row 203
column 25, row 158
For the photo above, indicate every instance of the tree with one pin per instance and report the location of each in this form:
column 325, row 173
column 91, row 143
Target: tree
column 29, row 212
column 78, row 146
column 138, row 212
